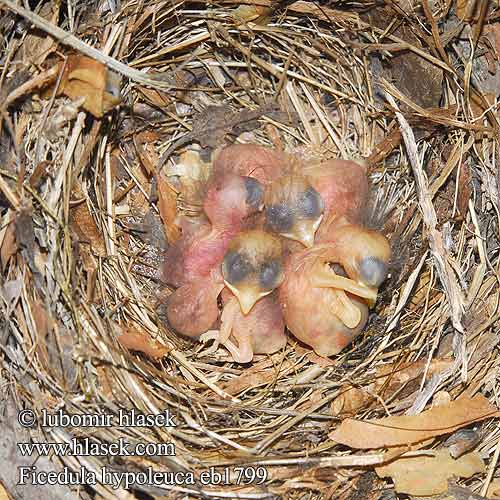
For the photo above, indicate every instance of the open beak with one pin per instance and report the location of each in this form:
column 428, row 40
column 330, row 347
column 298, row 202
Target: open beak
column 247, row 297
column 304, row 231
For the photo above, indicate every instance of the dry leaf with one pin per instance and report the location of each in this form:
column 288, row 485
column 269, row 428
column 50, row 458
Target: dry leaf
column 383, row 149
column 85, row 77
column 138, row 340
column 426, row 475
column 494, row 489
column 313, row 357
column 189, row 176
column 155, row 97
column 40, row 173
column 257, row 14
column 84, row 225
column 262, row 373
column 322, row 12
column 8, row 246
column 3, row 493
column 167, row 204
column 406, row 429
column 466, row 9
column 37, row 46
column 139, row 203
column 464, row 188
column 147, row 155
column 25, row 239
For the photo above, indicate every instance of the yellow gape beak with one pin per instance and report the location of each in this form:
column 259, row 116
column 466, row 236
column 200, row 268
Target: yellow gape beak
column 304, row 231
column 325, row 277
column 247, row 297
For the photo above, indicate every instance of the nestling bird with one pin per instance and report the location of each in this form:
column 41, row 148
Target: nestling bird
column 252, row 160
column 251, row 319
column 297, row 204
column 319, row 316
column 253, row 266
column 228, row 201
column 193, row 263
column 343, row 186
column 192, row 309
column 363, row 253
column 326, row 305
column 329, row 287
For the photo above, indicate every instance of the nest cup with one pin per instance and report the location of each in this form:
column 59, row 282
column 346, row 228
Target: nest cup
column 308, row 79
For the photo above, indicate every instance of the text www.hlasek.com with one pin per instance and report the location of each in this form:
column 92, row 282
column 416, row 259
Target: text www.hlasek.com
column 87, row 447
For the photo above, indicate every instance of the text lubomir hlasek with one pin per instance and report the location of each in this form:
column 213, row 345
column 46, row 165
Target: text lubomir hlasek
column 130, row 418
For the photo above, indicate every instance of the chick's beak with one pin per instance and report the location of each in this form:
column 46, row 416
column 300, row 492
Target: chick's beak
column 247, row 296
column 304, row 231
column 325, row 277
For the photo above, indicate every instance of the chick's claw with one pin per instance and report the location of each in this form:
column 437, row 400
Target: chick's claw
column 262, row 331
column 364, row 254
column 323, row 276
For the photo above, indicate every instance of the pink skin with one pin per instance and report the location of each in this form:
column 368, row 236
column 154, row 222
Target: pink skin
column 343, row 185
column 259, row 162
column 195, row 255
column 311, row 313
column 192, row 309
column 202, row 247
column 321, row 307
column 261, row 331
column 193, row 263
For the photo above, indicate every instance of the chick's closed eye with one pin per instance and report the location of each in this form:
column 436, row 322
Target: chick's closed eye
column 373, row 271
column 310, row 204
column 255, row 193
column 235, row 267
column 271, row 274
column 294, row 209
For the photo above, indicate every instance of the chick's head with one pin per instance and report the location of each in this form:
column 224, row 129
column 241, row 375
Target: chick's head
column 230, row 198
column 253, row 266
column 294, row 209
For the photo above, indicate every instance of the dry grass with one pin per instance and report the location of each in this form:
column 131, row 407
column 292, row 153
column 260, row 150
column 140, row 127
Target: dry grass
column 435, row 191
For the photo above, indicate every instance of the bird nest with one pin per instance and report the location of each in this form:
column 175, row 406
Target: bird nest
column 89, row 193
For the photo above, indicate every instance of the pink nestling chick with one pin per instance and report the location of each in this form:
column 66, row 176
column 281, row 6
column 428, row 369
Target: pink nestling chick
column 193, row 263
column 328, row 288
column 261, row 331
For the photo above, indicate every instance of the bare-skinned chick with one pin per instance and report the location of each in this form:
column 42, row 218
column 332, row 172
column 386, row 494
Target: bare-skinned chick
column 193, row 263
column 328, row 288
column 251, row 319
